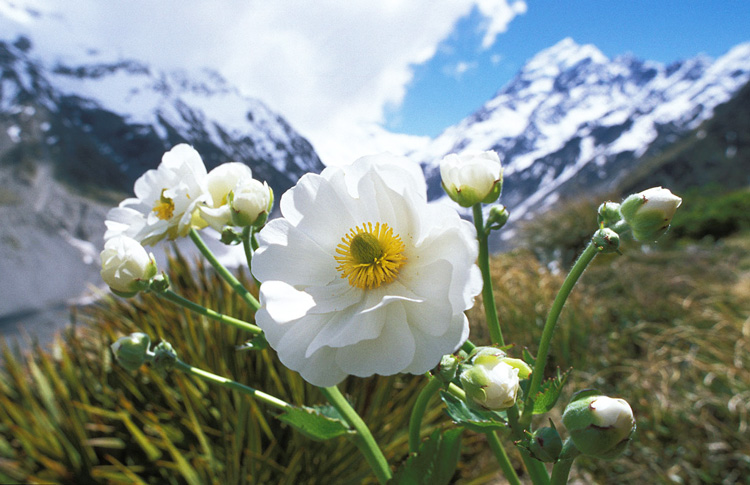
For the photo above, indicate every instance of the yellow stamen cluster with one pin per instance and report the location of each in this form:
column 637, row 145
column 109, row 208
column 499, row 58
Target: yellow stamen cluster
column 370, row 255
column 164, row 208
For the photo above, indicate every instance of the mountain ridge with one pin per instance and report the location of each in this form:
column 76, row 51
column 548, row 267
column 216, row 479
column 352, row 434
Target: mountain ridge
column 574, row 120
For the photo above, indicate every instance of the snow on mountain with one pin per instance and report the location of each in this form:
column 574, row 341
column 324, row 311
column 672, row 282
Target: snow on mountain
column 129, row 113
column 573, row 120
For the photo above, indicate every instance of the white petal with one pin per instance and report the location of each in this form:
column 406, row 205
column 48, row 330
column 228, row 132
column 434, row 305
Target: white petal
column 387, row 354
column 430, row 349
column 283, row 302
column 288, row 254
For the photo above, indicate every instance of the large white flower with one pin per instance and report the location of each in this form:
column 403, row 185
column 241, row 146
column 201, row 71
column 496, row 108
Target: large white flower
column 165, row 199
column 362, row 276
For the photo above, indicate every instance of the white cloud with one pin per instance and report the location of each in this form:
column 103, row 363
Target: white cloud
column 327, row 66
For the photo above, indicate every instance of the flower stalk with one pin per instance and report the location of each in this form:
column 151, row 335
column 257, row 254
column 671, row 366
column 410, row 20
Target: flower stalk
column 488, row 296
column 549, row 327
column 233, row 385
column 561, row 470
column 223, row 271
column 417, row 412
column 219, row 317
column 364, row 439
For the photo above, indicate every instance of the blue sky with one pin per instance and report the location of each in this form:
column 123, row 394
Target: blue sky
column 658, row 30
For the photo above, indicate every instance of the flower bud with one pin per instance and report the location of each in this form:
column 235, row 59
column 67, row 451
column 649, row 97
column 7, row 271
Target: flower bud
column 609, row 213
column 164, row 358
column 650, row 212
column 499, row 215
column 220, row 182
column 546, row 444
column 447, row 368
column 599, row 425
column 472, row 178
column 131, row 351
column 491, row 380
column 606, row 240
column 126, row 266
column 251, row 203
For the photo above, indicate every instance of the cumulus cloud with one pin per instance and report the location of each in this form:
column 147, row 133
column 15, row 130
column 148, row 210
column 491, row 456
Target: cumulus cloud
column 325, row 65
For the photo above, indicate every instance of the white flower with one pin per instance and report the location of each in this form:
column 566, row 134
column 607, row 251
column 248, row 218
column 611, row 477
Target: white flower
column 251, row 202
column 165, row 199
column 472, row 178
column 126, row 266
column 362, row 276
column 608, row 412
column 650, row 212
column 221, row 181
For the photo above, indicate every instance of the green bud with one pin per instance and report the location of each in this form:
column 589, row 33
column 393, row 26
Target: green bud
column 230, row 236
column 132, row 351
column 164, row 358
column 606, row 240
column 598, row 425
column 447, row 368
column 650, row 212
column 609, row 214
column 497, row 218
column 159, row 283
column 546, row 444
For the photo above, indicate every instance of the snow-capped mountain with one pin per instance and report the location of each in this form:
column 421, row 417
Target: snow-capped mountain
column 573, row 120
column 71, row 134
column 127, row 114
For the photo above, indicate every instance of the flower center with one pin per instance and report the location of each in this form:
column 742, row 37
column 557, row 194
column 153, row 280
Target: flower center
column 164, row 208
column 370, row 255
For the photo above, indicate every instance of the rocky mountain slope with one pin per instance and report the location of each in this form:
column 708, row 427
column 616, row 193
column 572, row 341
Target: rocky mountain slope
column 573, row 121
column 73, row 139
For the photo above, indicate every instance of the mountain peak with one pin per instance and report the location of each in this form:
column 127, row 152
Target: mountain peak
column 562, row 56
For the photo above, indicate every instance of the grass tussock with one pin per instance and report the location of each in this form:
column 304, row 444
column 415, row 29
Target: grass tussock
column 666, row 329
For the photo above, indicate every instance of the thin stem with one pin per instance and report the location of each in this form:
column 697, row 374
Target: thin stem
column 561, row 470
column 233, row 385
column 364, row 439
column 246, row 235
column 219, row 317
column 541, row 359
column 502, row 458
column 417, row 412
column 488, row 296
column 223, row 271
column 468, row 346
column 535, row 468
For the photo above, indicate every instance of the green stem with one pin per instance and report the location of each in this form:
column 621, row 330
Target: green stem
column 223, row 271
column 417, row 412
column 541, row 359
column 561, row 470
column 233, row 385
column 364, row 439
column 502, row 458
column 246, row 235
column 468, row 346
column 488, row 296
column 535, row 468
column 219, row 317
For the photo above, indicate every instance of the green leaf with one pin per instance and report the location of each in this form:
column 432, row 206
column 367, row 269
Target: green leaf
column 528, row 358
column 318, row 424
column 473, row 419
column 434, row 463
column 549, row 392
